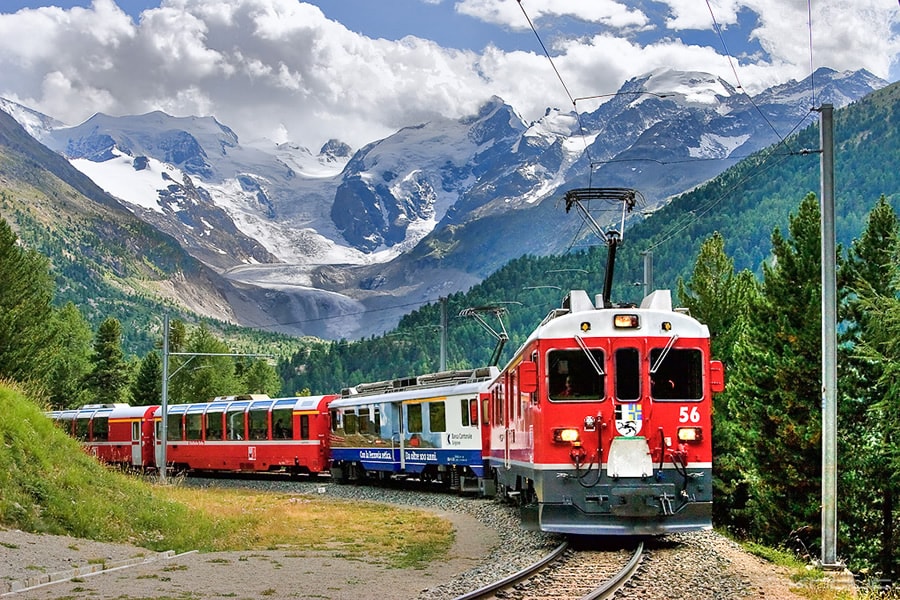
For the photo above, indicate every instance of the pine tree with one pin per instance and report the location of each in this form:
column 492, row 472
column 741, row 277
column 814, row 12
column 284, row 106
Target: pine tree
column 261, row 378
column 146, row 389
column 200, row 378
column 26, row 293
column 776, row 385
column 718, row 297
column 69, row 358
column 868, row 423
column 108, row 380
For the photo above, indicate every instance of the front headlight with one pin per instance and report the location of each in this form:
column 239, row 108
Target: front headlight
column 690, row 434
column 566, row 435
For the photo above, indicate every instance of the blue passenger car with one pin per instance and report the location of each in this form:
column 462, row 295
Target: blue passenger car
column 426, row 427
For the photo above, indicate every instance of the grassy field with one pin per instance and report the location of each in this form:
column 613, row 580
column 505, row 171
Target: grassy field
column 50, row 486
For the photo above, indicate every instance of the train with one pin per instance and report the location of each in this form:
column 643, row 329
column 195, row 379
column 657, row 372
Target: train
column 600, row 424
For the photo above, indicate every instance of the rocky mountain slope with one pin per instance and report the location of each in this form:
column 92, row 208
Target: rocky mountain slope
column 340, row 244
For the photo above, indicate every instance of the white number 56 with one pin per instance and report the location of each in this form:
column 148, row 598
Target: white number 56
column 688, row 414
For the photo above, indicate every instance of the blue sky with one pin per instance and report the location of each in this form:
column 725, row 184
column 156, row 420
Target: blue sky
column 360, row 69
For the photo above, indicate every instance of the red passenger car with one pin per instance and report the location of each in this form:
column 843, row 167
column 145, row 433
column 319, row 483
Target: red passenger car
column 601, row 422
column 115, row 433
column 248, row 433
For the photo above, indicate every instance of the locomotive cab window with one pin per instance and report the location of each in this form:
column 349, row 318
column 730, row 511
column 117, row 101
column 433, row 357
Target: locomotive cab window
column 574, row 376
column 678, row 374
column 628, row 371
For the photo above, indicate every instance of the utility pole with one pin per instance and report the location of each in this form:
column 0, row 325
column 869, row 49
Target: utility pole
column 164, row 410
column 648, row 271
column 443, row 365
column 163, row 439
column 829, row 344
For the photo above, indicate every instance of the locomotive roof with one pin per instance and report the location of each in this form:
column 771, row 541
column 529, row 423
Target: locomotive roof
column 655, row 317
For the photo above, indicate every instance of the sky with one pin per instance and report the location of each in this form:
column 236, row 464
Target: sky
column 358, row 70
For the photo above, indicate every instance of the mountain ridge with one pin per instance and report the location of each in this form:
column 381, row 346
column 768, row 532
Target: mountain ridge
column 430, row 210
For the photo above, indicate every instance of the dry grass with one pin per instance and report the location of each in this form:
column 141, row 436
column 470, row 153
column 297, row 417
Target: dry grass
column 245, row 520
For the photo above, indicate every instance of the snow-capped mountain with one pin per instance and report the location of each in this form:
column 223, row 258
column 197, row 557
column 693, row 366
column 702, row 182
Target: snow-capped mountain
column 342, row 244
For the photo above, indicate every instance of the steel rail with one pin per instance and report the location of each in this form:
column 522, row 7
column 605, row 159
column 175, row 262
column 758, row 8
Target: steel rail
column 608, row 589
column 515, row 577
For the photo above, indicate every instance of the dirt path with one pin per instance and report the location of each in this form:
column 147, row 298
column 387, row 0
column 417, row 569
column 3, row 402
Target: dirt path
column 210, row 576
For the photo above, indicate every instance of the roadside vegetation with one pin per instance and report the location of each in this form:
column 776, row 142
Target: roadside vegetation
column 51, row 486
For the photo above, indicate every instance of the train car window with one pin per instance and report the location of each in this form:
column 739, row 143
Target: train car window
column 376, row 423
column 350, row 422
column 628, row 371
column 235, row 422
column 81, row 429
column 573, row 377
column 173, row 427
column 258, row 420
column 464, row 412
column 335, row 419
column 473, row 412
column 304, row 427
column 414, row 418
column 437, row 416
column 100, row 429
column 515, row 408
column 283, row 423
column 364, row 420
column 193, row 426
column 485, row 411
column 135, row 431
column 679, row 376
column 214, row 428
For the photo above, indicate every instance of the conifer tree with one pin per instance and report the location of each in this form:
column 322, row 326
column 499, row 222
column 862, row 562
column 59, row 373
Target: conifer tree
column 146, row 389
column 867, row 421
column 776, row 385
column 26, row 293
column 261, row 378
column 108, row 379
column 200, row 378
column 718, row 297
column 69, row 358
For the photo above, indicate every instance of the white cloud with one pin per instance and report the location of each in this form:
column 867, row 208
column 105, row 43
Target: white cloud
column 509, row 13
column 281, row 69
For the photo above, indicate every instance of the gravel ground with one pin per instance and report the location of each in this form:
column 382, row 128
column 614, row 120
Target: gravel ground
column 488, row 544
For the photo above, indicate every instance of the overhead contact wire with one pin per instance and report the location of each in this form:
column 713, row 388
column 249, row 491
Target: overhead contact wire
column 572, row 99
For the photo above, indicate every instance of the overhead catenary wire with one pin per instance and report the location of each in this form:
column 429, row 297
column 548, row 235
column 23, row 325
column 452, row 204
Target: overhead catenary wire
column 754, row 172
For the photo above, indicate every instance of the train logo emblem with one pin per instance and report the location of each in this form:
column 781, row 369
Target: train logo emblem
column 629, row 419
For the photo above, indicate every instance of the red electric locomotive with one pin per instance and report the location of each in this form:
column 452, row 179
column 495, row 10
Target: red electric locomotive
column 601, row 422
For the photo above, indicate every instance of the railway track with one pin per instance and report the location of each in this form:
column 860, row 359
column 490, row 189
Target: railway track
column 566, row 573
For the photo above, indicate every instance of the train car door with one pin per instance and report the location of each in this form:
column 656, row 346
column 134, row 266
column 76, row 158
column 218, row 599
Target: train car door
column 137, row 454
column 508, row 420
